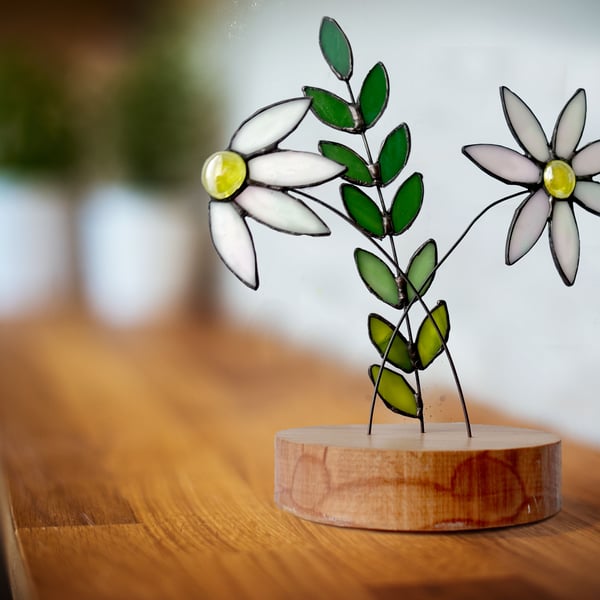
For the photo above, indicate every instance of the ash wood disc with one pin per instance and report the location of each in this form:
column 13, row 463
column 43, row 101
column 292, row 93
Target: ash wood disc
column 399, row 479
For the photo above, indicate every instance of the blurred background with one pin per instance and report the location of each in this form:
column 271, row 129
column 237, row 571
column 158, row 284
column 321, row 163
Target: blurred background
column 108, row 109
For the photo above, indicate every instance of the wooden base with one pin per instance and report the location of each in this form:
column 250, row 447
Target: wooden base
column 399, row 479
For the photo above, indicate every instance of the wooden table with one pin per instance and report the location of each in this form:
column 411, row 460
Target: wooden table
column 140, row 466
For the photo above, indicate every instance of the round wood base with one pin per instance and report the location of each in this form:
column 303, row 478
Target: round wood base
column 401, row 480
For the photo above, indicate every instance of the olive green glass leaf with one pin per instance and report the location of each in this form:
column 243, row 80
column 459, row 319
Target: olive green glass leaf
column 407, row 203
column 395, row 391
column 394, row 153
column 374, row 94
column 356, row 168
column 377, row 276
column 380, row 333
column 362, row 210
column 419, row 270
column 336, row 48
column 429, row 343
column 330, row 109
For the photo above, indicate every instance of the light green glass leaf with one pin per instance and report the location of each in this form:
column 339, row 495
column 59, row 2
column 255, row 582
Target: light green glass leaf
column 363, row 211
column 380, row 332
column 394, row 153
column 377, row 277
column 374, row 94
column 356, row 168
column 429, row 343
column 336, row 48
column 395, row 392
column 419, row 270
column 407, row 203
column 330, row 109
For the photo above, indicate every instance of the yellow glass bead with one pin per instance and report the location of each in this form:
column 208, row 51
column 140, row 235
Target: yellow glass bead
column 223, row 174
column 559, row 179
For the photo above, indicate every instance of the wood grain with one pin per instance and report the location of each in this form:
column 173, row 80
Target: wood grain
column 398, row 479
column 140, row 466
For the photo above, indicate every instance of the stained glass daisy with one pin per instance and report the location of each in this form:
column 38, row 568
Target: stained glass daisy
column 556, row 173
column 253, row 177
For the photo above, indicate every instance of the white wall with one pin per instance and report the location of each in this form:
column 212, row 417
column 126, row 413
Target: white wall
column 523, row 342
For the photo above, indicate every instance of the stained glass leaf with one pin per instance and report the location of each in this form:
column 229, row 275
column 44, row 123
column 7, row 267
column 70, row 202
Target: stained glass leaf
column 420, row 267
column 330, row 109
column 380, row 333
column 377, row 276
column 357, row 170
column 394, row 153
column 395, row 391
column 363, row 211
column 374, row 94
column 407, row 203
column 336, row 48
column 429, row 343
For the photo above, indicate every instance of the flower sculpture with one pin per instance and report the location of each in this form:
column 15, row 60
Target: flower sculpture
column 253, row 177
column 555, row 173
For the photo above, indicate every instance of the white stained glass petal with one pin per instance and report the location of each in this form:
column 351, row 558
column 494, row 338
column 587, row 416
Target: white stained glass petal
column 587, row 160
column 564, row 241
column 280, row 211
column 233, row 242
column 588, row 194
column 269, row 126
column 503, row 163
column 524, row 126
column 290, row 169
column 527, row 225
column 569, row 126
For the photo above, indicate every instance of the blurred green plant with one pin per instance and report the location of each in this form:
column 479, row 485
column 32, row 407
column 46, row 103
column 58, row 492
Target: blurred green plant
column 37, row 136
column 163, row 115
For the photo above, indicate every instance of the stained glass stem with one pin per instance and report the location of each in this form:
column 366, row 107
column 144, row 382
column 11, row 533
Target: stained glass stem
column 420, row 407
column 418, row 298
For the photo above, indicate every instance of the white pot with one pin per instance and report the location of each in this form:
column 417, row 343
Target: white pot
column 35, row 247
column 139, row 255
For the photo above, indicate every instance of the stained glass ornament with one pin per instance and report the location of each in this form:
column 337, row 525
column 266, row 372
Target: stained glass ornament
column 253, row 179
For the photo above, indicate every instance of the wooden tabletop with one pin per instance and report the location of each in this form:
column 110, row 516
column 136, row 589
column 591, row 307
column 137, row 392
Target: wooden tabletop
column 140, row 465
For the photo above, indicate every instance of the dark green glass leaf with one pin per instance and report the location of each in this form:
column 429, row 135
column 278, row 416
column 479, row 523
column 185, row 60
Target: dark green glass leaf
column 336, row 49
column 356, row 168
column 395, row 391
column 380, row 332
column 419, row 269
column 429, row 343
column 407, row 203
column 330, row 109
column 374, row 94
column 363, row 211
column 377, row 277
column 394, row 153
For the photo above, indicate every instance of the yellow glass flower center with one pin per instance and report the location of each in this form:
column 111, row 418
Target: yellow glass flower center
column 223, row 174
column 559, row 179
